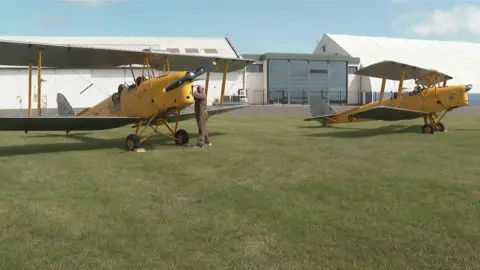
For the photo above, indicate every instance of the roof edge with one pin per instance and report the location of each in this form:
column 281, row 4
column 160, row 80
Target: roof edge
column 229, row 42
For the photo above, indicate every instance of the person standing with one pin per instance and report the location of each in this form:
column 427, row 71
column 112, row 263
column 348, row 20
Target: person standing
column 201, row 115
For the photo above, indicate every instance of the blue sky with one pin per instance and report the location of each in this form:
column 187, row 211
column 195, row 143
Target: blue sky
column 254, row 26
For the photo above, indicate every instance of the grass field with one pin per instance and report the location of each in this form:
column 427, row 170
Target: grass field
column 273, row 193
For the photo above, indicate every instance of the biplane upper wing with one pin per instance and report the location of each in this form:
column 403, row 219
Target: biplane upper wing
column 393, row 71
column 386, row 113
column 14, row 53
column 85, row 123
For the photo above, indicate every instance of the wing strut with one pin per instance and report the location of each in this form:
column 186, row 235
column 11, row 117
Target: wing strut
column 207, row 81
column 400, row 86
column 39, row 82
column 382, row 90
column 166, row 64
column 30, row 89
column 224, row 82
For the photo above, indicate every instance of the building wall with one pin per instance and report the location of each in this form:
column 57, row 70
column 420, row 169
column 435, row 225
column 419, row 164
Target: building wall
column 328, row 45
column 71, row 83
column 255, row 83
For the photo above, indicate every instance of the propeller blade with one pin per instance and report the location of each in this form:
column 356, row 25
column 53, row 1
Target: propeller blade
column 468, row 87
column 191, row 76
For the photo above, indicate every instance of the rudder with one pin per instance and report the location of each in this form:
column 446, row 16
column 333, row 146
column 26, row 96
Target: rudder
column 64, row 108
column 319, row 107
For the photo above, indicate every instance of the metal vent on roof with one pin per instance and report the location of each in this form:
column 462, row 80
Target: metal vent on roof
column 210, row 50
column 173, row 50
column 191, row 50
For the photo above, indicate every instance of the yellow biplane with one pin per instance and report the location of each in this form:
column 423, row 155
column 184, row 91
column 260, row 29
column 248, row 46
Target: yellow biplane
column 431, row 98
column 151, row 101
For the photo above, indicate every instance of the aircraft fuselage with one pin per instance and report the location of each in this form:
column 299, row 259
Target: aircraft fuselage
column 150, row 98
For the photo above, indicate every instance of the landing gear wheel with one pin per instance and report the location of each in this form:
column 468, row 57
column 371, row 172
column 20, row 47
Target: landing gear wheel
column 181, row 137
column 132, row 142
column 428, row 129
column 441, row 127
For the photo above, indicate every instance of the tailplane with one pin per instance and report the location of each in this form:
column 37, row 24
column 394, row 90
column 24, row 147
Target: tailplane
column 64, row 108
column 319, row 108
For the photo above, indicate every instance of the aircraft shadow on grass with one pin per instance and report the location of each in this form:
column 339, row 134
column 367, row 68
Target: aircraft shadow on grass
column 87, row 143
column 350, row 132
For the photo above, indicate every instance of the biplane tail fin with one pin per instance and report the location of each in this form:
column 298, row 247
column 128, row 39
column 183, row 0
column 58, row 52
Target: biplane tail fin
column 64, row 108
column 319, row 108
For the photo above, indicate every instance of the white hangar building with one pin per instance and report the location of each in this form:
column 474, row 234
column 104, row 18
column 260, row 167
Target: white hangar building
column 289, row 78
column 84, row 88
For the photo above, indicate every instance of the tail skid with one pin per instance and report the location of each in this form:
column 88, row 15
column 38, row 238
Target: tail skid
column 320, row 109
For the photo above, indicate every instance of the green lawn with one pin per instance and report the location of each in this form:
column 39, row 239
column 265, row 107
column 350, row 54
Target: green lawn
column 271, row 194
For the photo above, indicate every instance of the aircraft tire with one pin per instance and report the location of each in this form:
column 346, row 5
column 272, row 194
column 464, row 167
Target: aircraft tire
column 132, row 142
column 181, row 137
column 428, row 128
column 441, row 127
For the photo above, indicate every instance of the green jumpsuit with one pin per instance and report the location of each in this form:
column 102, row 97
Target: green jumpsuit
column 201, row 115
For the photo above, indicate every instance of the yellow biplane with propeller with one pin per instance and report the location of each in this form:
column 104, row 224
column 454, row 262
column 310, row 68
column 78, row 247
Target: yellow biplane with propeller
column 431, row 98
column 150, row 102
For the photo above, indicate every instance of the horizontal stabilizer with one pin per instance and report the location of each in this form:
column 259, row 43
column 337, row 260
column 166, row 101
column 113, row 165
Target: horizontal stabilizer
column 316, row 118
column 388, row 114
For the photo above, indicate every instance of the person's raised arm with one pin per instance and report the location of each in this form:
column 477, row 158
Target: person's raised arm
column 199, row 96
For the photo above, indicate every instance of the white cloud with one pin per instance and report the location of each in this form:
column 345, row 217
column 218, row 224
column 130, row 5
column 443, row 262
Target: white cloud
column 461, row 19
column 92, row 2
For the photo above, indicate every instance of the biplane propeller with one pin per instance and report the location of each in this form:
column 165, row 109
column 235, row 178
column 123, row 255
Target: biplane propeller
column 148, row 102
column 431, row 98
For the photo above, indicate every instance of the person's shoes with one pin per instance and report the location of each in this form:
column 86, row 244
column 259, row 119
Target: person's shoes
column 198, row 146
column 208, row 144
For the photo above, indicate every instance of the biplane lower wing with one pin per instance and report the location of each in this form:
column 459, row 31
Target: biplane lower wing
column 63, row 123
column 388, row 114
column 84, row 123
column 211, row 111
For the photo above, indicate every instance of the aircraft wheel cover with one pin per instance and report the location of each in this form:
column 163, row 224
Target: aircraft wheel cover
column 181, row 137
column 428, row 129
column 132, row 142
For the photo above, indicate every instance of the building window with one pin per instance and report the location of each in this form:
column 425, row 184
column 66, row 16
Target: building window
column 255, row 68
column 173, row 50
column 292, row 81
column 318, row 71
column 337, row 81
column 191, row 50
column 352, row 70
column 213, row 51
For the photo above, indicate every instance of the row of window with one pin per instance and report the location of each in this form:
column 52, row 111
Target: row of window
column 258, row 68
column 192, row 50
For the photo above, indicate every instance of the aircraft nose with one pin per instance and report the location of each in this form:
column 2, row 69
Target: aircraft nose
column 468, row 87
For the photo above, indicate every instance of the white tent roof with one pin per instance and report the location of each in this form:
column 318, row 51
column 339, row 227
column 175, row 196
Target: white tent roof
column 461, row 60
column 203, row 46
